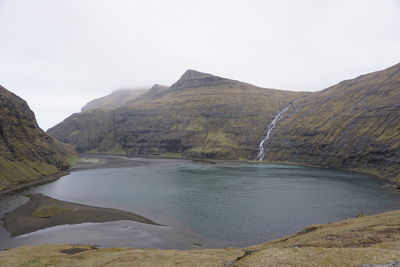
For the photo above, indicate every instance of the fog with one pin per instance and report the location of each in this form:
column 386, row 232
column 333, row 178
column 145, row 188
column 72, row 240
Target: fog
column 60, row 54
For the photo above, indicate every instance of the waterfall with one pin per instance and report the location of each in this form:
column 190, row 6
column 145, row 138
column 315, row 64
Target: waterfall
column 271, row 126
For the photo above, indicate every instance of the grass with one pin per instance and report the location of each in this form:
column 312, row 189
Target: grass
column 353, row 125
column 171, row 155
column 89, row 160
column 316, row 257
column 16, row 172
column 72, row 159
column 47, row 211
column 115, row 150
column 26, row 153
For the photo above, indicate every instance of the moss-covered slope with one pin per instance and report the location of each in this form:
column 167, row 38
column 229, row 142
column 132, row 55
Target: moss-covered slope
column 201, row 115
column 26, row 152
column 352, row 125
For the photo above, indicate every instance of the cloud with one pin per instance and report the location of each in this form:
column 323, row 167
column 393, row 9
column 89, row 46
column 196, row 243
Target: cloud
column 82, row 49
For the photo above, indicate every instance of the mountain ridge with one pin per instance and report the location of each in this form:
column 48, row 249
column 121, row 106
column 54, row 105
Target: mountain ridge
column 200, row 115
column 354, row 125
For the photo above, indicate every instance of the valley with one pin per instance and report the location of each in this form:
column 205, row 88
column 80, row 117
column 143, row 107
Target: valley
column 230, row 163
column 353, row 125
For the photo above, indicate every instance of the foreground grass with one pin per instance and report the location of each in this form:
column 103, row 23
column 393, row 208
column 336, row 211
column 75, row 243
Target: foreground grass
column 364, row 240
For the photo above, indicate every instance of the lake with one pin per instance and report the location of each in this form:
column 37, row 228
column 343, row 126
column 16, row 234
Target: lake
column 207, row 205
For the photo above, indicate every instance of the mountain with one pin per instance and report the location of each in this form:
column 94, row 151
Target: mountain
column 201, row 115
column 26, row 152
column 114, row 100
column 353, row 125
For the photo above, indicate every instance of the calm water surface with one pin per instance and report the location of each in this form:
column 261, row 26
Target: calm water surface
column 215, row 204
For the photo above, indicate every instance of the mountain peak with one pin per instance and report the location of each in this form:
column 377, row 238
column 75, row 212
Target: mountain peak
column 190, row 74
column 193, row 79
column 158, row 87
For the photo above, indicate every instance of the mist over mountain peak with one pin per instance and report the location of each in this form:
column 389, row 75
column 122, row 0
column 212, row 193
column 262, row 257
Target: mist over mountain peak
column 190, row 74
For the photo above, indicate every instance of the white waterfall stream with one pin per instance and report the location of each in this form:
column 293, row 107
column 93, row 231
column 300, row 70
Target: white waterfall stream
column 271, row 126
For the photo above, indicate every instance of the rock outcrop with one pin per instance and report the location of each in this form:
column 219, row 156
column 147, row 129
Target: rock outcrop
column 26, row 152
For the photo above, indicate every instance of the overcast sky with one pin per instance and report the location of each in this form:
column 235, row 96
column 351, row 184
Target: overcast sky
column 59, row 54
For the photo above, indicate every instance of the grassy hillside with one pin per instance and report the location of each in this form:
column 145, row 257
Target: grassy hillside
column 352, row 125
column 26, row 152
column 201, row 116
column 364, row 240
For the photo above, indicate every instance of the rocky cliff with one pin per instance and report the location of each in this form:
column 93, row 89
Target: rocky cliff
column 201, row 115
column 26, row 152
column 352, row 125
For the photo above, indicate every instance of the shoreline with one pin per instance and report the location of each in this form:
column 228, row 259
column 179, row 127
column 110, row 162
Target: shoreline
column 353, row 239
column 80, row 166
column 127, row 160
column 388, row 183
column 104, row 161
column 101, row 161
column 352, row 242
column 44, row 180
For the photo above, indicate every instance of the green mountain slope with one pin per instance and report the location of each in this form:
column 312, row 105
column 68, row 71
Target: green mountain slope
column 201, row 116
column 352, row 125
column 26, row 152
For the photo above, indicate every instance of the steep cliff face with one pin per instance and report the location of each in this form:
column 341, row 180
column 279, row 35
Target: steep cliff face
column 26, row 152
column 90, row 130
column 352, row 125
column 201, row 115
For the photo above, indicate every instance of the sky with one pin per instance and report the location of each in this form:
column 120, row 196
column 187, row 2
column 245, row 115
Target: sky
column 60, row 54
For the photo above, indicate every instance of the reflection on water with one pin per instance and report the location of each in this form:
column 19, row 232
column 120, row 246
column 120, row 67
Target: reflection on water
column 220, row 204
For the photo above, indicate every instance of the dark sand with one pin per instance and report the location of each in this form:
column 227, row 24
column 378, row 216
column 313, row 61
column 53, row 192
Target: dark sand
column 42, row 212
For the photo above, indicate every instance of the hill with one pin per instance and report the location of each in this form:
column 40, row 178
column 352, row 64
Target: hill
column 353, row 125
column 201, row 115
column 26, row 152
